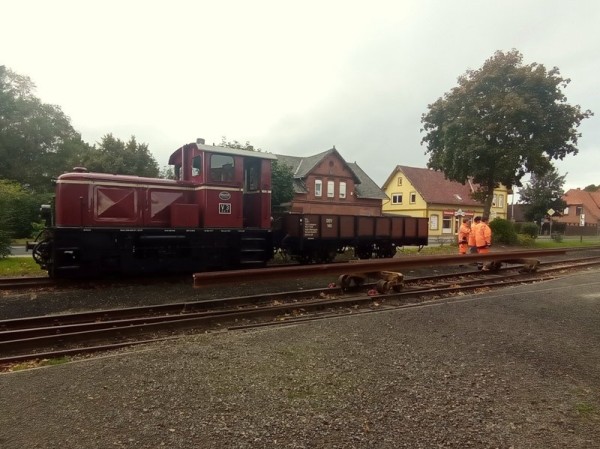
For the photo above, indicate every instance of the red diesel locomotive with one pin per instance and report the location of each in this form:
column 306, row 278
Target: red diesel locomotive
column 216, row 214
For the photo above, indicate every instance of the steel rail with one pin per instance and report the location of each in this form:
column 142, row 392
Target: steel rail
column 25, row 282
column 363, row 266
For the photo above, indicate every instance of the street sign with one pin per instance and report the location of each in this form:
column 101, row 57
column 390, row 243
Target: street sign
column 582, row 220
column 550, row 211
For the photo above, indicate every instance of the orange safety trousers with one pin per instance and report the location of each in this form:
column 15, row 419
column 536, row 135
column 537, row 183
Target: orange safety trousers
column 483, row 250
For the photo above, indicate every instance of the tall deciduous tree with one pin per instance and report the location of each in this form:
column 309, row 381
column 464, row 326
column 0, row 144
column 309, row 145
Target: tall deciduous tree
column 543, row 193
column 112, row 155
column 36, row 139
column 502, row 121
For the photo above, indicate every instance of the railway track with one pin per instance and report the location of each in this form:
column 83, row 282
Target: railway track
column 25, row 283
column 86, row 332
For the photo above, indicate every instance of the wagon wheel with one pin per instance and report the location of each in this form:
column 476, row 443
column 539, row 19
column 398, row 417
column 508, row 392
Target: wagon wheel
column 304, row 259
column 326, row 256
column 344, row 281
column 398, row 287
column 383, row 286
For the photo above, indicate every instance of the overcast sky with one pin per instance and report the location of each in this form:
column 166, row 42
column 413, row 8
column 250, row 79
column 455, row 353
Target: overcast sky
column 291, row 77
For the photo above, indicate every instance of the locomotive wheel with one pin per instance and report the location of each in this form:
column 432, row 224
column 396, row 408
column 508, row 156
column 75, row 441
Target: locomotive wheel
column 41, row 252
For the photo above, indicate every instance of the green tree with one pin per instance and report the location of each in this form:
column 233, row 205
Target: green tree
column 126, row 158
column 36, row 138
column 283, row 184
column 282, row 178
column 19, row 209
column 592, row 188
column 543, row 193
column 502, row 121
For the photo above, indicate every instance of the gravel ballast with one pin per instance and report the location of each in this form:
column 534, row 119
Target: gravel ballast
column 520, row 368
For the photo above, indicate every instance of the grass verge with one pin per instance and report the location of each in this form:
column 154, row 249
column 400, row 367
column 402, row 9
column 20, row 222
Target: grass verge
column 20, row 266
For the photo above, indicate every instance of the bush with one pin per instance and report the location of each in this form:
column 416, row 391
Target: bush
column 525, row 240
column 557, row 237
column 530, row 229
column 19, row 207
column 503, row 231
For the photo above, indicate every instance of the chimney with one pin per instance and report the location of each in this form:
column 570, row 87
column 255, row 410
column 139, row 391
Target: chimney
column 200, row 141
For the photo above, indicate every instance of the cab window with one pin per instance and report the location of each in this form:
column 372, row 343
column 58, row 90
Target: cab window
column 221, row 168
column 197, row 166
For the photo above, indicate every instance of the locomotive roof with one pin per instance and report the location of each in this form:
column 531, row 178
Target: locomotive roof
column 94, row 176
column 223, row 150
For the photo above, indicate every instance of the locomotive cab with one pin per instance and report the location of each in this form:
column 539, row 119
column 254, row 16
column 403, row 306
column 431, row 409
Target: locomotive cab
column 231, row 186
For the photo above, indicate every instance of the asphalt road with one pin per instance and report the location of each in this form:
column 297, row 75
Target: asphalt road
column 19, row 251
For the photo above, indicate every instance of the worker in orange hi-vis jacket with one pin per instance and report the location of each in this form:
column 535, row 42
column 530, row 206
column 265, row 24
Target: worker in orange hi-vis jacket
column 472, row 241
column 483, row 237
column 463, row 236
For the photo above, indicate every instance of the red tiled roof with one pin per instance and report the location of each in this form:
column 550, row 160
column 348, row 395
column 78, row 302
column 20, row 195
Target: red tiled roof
column 435, row 188
column 590, row 202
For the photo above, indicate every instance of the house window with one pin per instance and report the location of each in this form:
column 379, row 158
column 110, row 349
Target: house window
column 495, row 200
column 397, row 198
column 566, row 211
column 330, row 189
column 578, row 210
column 447, row 224
column 434, row 222
column 413, row 197
column 399, row 180
column 318, row 187
column 342, row 189
column 501, row 200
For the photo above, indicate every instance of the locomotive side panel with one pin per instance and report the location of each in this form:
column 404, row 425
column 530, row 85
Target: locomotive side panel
column 161, row 205
column 71, row 203
column 115, row 206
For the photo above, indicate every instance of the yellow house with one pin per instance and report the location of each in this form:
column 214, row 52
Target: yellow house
column 420, row 192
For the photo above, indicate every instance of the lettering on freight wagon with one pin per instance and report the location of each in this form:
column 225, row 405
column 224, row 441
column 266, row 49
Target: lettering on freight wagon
column 310, row 229
column 224, row 208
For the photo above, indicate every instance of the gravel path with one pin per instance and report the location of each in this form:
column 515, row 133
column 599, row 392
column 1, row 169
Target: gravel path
column 518, row 369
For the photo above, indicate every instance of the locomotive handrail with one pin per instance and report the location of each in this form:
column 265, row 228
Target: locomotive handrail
column 363, row 266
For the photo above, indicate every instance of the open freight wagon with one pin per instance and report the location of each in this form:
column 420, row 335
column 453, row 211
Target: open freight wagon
column 319, row 237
